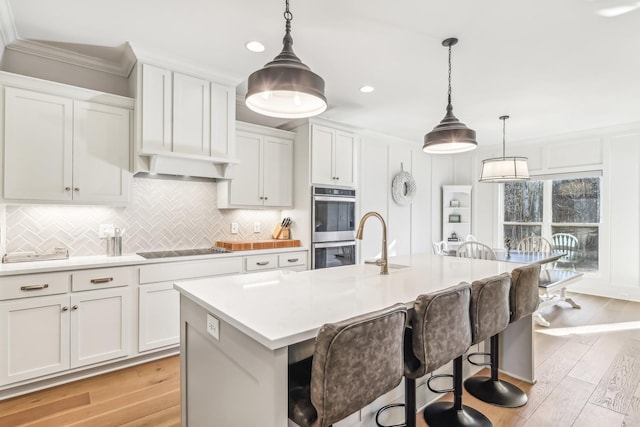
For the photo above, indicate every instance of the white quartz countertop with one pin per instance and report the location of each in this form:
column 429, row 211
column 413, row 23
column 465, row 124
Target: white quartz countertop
column 280, row 308
column 103, row 261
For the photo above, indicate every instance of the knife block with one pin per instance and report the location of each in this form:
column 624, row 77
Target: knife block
column 281, row 233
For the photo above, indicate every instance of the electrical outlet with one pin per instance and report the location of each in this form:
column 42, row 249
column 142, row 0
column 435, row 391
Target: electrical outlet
column 234, row 228
column 213, row 326
column 256, row 227
column 105, row 230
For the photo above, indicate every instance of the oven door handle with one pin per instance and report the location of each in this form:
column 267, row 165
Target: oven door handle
column 333, row 244
column 334, row 199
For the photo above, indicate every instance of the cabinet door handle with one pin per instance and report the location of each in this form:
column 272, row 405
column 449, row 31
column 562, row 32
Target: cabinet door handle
column 102, row 280
column 65, row 308
column 67, row 188
column 34, row 287
column 262, row 263
column 266, row 198
column 337, row 177
column 76, row 189
column 75, row 307
column 293, row 260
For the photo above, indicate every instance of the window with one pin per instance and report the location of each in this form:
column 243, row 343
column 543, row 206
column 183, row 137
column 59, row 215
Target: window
column 566, row 211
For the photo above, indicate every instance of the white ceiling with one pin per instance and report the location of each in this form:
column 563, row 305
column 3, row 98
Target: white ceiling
column 555, row 66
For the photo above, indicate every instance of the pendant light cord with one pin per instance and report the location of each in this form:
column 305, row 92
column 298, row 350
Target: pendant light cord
column 504, row 127
column 287, row 41
column 449, row 93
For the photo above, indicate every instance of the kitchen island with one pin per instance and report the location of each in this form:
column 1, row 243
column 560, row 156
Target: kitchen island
column 239, row 333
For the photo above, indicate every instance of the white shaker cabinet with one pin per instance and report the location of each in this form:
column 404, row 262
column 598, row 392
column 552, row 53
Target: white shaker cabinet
column 48, row 328
column 34, row 334
column 58, row 149
column 184, row 118
column 264, row 176
column 332, row 156
column 159, row 302
column 99, row 326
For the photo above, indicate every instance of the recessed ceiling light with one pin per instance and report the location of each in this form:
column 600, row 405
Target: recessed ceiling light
column 255, row 46
column 367, row 89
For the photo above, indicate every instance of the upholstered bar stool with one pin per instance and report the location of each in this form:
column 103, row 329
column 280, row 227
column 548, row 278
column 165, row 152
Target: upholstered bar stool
column 441, row 332
column 355, row 361
column 523, row 301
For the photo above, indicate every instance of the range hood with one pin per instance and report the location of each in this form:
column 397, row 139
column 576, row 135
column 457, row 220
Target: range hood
column 187, row 165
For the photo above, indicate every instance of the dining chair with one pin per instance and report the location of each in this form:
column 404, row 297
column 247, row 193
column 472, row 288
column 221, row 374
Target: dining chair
column 535, row 244
column 471, row 238
column 567, row 243
column 476, row 250
column 440, row 248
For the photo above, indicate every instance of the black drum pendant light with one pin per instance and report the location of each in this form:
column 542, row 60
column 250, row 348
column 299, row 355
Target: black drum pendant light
column 451, row 135
column 285, row 87
column 504, row 169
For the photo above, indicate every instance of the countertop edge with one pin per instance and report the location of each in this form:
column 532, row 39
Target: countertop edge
column 103, row 261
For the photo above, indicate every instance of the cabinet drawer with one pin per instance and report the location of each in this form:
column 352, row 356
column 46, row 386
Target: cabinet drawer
column 261, row 262
column 101, row 278
column 292, row 259
column 169, row 271
column 33, row 285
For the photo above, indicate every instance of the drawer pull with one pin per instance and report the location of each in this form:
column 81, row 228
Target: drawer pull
column 102, row 280
column 262, row 263
column 34, row 287
column 293, row 259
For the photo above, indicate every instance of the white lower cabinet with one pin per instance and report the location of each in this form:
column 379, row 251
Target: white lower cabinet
column 159, row 302
column 158, row 316
column 34, row 333
column 99, row 326
column 45, row 335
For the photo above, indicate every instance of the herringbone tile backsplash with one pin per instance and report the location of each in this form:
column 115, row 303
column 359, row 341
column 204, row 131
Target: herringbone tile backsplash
column 162, row 215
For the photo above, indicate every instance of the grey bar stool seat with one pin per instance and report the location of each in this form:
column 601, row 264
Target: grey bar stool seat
column 523, row 299
column 441, row 332
column 355, row 361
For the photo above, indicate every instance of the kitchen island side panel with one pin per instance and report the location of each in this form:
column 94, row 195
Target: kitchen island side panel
column 230, row 382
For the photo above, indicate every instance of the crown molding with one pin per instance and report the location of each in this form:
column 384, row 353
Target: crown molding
column 122, row 68
column 183, row 66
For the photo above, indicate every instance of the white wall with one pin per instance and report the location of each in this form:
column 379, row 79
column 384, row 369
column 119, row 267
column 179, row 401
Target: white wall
column 615, row 151
column 410, row 229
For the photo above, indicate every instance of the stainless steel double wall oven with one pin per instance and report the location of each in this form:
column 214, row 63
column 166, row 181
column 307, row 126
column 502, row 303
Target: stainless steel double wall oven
column 333, row 217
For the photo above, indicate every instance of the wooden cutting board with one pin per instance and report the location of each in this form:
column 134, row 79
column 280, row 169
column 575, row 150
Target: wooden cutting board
column 246, row 245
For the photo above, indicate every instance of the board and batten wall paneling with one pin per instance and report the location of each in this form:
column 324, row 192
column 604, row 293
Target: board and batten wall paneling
column 441, row 174
column 421, row 206
column 624, row 210
column 373, row 193
column 583, row 153
column 399, row 219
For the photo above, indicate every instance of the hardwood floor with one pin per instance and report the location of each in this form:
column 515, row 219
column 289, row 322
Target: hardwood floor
column 587, row 365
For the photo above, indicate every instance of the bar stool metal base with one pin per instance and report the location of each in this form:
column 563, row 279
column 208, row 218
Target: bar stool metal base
column 444, row 414
column 500, row 393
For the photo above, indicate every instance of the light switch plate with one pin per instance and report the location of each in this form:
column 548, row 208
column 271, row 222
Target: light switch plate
column 234, row 228
column 213, row 326
column 256, row 227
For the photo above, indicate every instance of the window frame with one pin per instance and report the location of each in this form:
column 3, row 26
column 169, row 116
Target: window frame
column 547, row 210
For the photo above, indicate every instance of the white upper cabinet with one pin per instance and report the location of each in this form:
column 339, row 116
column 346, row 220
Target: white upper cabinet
column 191, row 115
column 185, row 118
column 332, row 156
column 264, row 176
column 60, row 149
column 101, row 135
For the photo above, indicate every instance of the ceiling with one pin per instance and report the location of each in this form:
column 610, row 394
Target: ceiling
column 554, row 66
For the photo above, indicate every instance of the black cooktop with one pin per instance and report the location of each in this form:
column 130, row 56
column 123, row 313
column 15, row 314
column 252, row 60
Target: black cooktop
column 183, row 252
